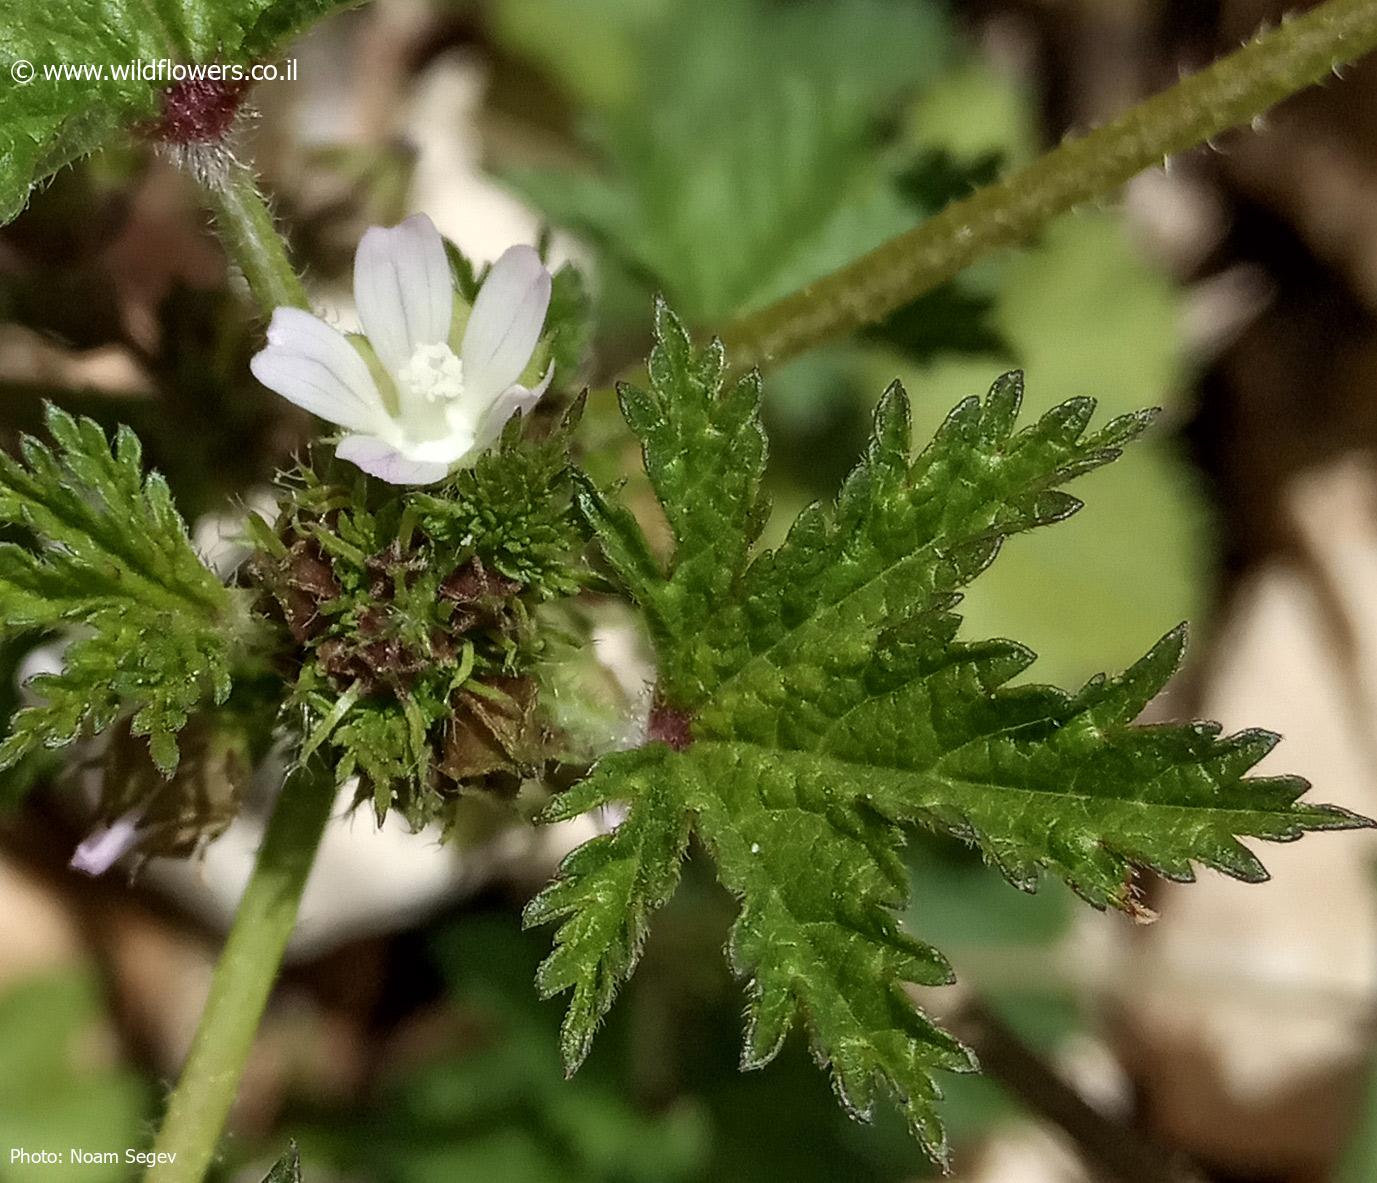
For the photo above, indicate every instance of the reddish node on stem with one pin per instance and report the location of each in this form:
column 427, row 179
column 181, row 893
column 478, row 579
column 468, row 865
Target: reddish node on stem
column 669, row 725
column 198, row 111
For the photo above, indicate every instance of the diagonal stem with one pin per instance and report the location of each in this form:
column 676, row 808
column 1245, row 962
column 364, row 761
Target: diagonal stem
column 1301, row 51
column 266, row 916
column 244, row 225
column 1115, row 1152
column 244, row 978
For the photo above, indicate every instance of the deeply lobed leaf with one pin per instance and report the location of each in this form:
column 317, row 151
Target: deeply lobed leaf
column 815, row 699
column 151, row 627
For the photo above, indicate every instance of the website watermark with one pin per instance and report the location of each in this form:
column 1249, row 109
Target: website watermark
column 163, row 71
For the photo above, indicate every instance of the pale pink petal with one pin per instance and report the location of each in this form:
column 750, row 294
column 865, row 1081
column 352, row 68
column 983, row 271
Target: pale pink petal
column 403, row 289
column 312, row 365
column 380, row 459
column 515, row 398
column 105, row 846
column 506, row 321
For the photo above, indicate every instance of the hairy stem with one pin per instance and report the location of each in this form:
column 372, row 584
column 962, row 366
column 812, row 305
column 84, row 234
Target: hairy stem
column 244, row 977
column 1233, row 91
column 245, row 227
column 248, row 965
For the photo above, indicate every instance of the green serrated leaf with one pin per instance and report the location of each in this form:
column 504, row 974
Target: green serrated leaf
column 607, row 891
column 1081, row 311
column 151, row 627
column 49, row 122
column 815, row 699
column 704, row 451
column 287, row 1169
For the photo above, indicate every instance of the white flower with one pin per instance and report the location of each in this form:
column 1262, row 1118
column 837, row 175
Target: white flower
column 426, row 392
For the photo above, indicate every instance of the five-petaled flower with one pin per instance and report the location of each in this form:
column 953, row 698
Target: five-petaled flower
column 427, row 391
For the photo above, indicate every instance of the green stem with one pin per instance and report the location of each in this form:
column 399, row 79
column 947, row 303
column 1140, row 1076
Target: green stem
column 1233, row 91
column 244, row 978
column 245, row 228
column 248, row 966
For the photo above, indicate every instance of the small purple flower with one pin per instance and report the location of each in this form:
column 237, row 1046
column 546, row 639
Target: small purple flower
column 106, row 845
column 429, row 386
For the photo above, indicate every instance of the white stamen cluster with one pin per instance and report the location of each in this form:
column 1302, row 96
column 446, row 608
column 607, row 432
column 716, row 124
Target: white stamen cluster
column 434, row 373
